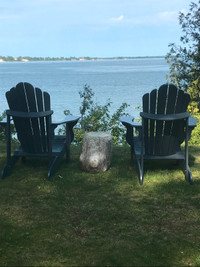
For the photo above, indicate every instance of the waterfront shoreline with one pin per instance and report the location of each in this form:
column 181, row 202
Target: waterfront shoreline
column 31, row 59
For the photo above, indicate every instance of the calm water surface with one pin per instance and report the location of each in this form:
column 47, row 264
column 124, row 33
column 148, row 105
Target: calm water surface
column 119, row 80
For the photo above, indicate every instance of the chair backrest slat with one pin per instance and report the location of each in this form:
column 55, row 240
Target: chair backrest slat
column 146, row 122
column 161, row 106
column 40, row 104
column 153, row 99
column 47, row 102
column 172, row 95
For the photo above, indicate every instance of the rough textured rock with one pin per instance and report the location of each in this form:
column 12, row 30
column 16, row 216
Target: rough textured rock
column 96, row 152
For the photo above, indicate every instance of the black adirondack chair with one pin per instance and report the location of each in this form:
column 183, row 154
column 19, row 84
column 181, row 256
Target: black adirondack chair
column 165, row 126
column 31, row 113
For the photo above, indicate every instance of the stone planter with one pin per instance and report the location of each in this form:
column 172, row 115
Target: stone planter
column 96, row 152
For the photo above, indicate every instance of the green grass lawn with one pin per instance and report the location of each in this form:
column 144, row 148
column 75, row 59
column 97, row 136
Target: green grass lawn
column 105, row 219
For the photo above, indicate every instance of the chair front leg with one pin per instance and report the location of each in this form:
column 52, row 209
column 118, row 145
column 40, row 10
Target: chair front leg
column 7, row 168
column 68, row 142
column 188, row 173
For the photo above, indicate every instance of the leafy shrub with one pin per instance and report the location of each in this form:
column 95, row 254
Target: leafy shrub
column 2, row 131
column 194, row 109
column 96, row 117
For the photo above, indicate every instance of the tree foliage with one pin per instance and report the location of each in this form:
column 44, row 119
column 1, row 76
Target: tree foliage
column 184, row 59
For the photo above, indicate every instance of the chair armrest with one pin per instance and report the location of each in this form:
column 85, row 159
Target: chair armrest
column 70, row 122
column 163, row 117
column 68, row 119
column 192, row 122
column 129, row 121
column 29, row 115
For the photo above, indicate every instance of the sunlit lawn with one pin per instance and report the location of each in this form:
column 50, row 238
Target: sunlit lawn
column 105, row 219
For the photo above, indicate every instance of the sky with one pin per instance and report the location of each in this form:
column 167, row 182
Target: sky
column 94, row 28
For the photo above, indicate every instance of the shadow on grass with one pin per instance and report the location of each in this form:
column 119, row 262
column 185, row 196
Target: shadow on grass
column 105, row 219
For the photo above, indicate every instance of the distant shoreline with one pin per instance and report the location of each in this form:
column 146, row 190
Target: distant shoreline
column 27, row 59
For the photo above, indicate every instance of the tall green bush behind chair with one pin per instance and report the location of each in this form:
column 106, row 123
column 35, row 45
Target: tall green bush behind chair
column 3, row 125
column 166, row 124
column 30, row 110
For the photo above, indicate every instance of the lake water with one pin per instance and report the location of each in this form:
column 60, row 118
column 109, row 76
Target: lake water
column 117, row 80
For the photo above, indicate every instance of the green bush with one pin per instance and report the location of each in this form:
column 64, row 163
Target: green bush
column 96, row 117
column 194, row 109
column 195, row 137
column 2, row 130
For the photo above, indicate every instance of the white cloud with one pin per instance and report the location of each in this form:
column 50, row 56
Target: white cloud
column 117, row 20
column 160, row 18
